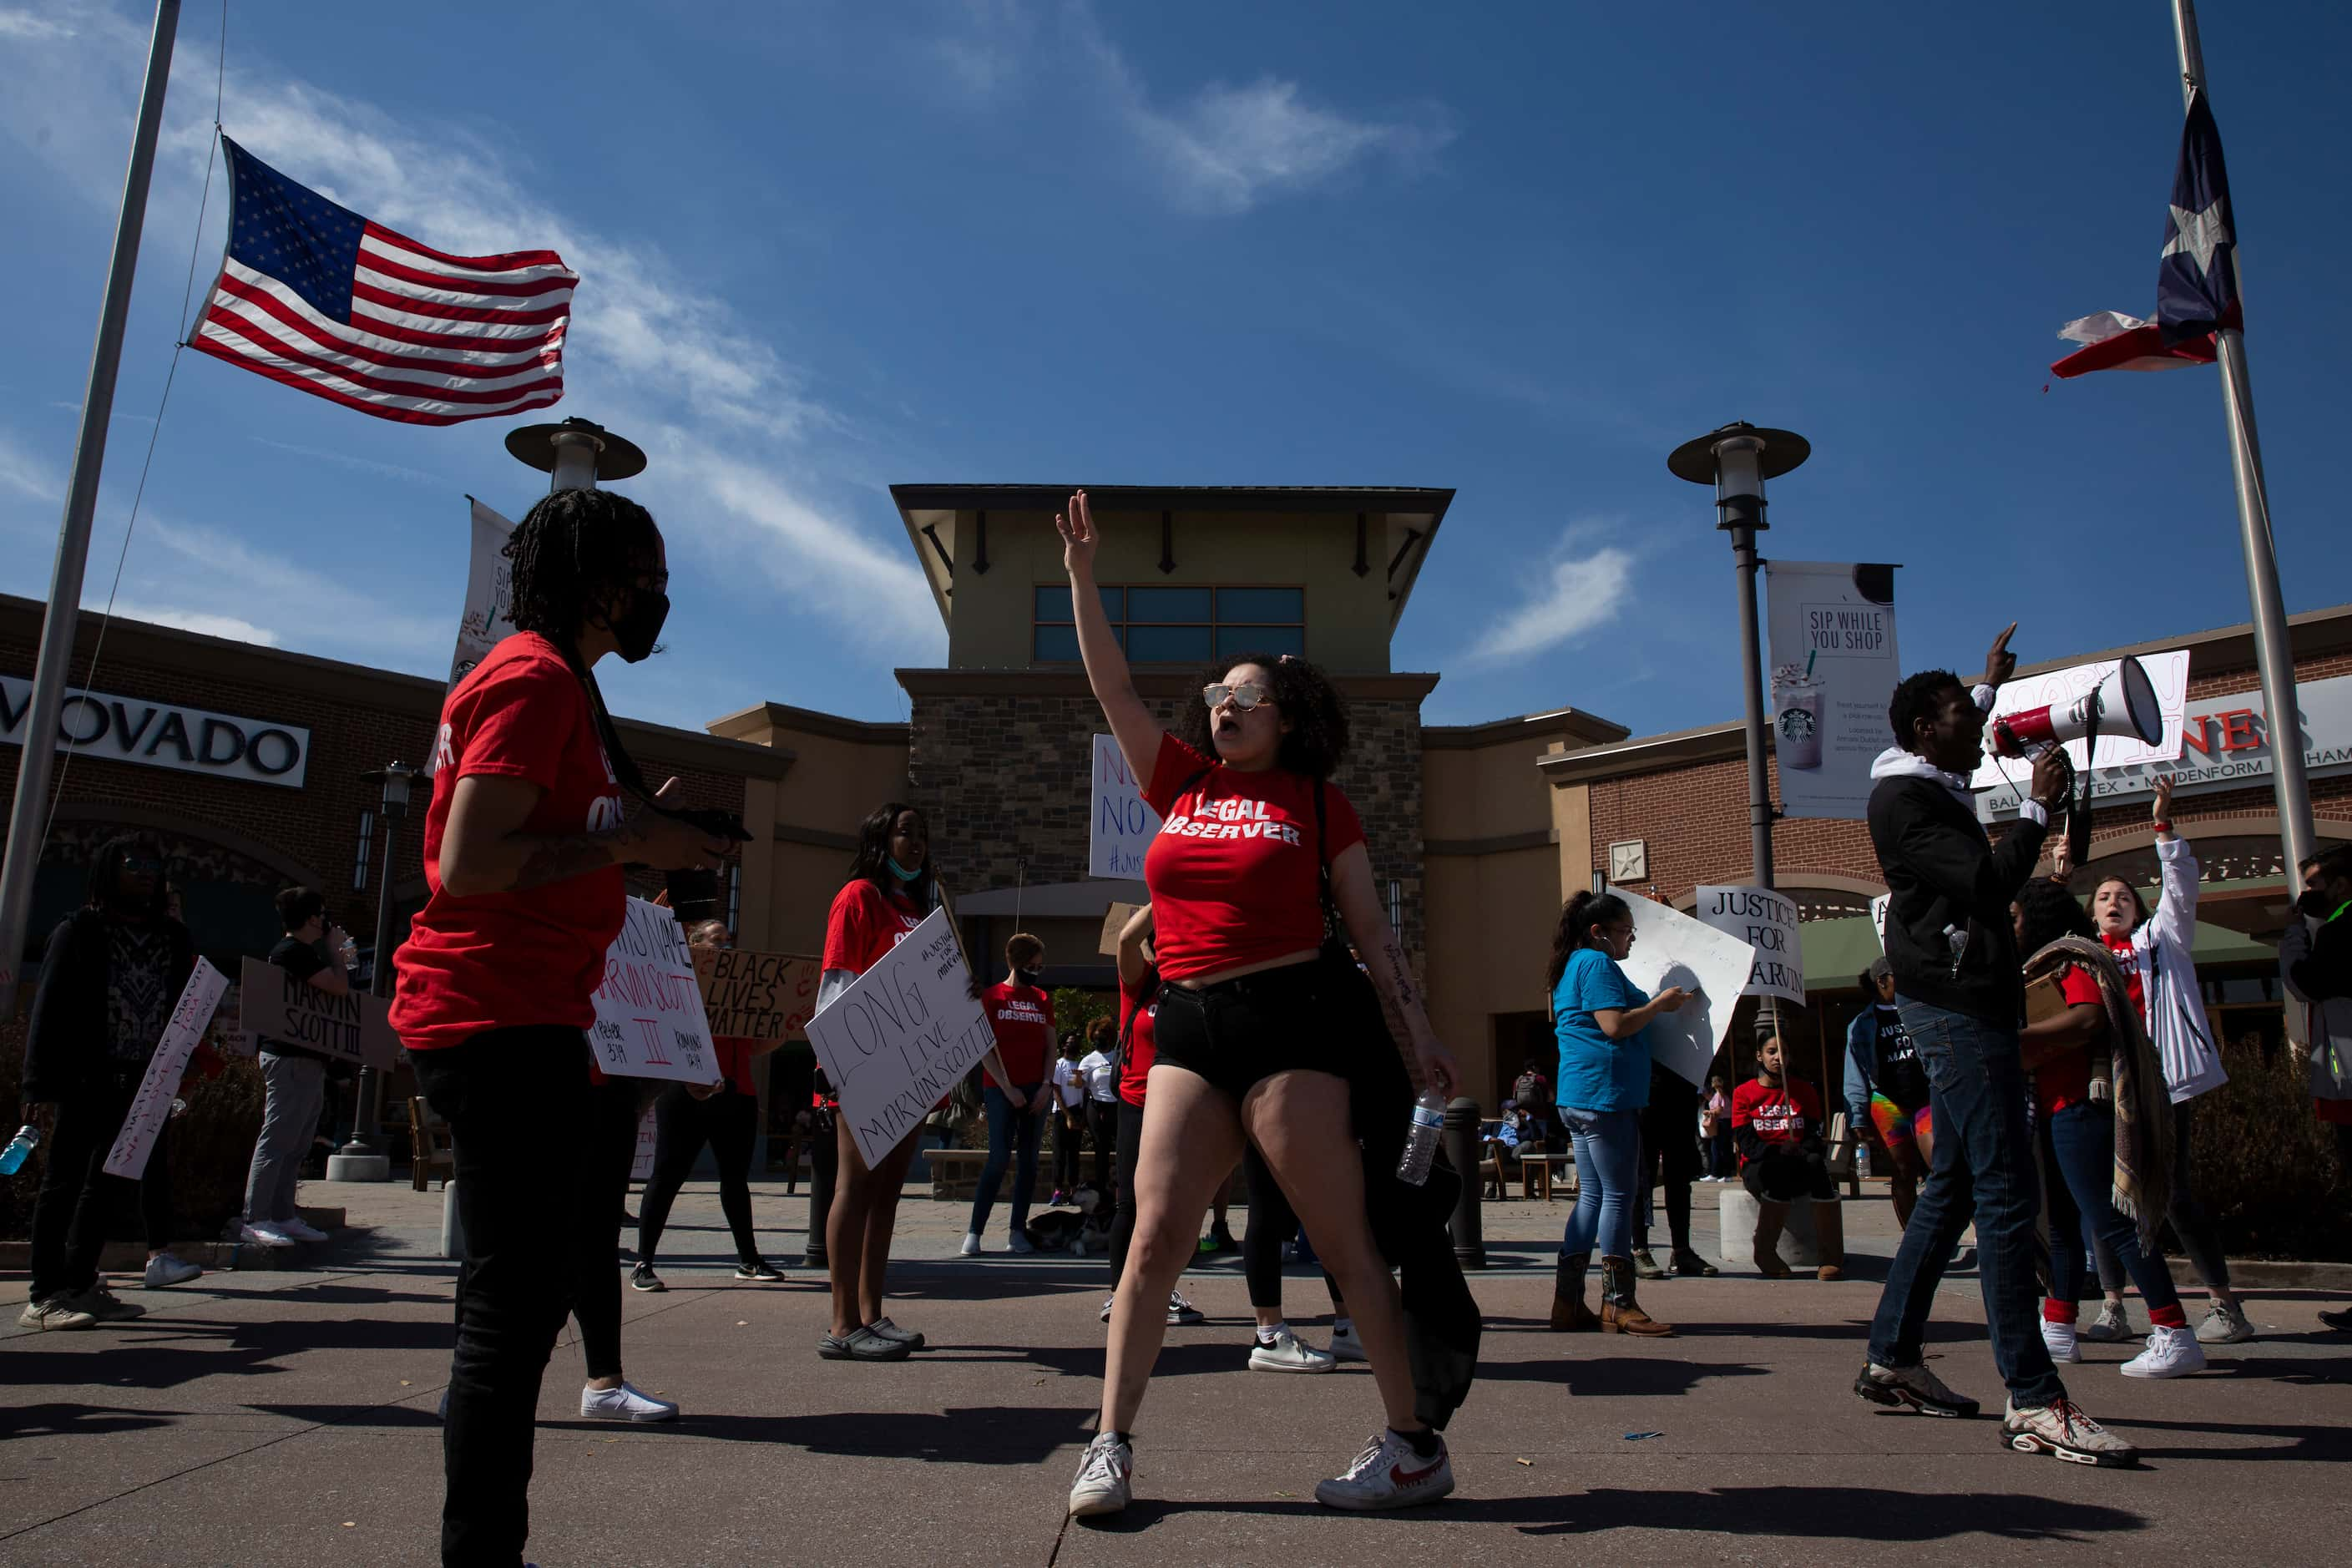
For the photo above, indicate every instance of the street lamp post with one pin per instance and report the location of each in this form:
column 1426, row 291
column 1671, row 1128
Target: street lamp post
column 358, row 1160
column 1737, row 459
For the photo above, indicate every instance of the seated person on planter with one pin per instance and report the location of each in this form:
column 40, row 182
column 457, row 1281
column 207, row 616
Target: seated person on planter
column 1777, row 1122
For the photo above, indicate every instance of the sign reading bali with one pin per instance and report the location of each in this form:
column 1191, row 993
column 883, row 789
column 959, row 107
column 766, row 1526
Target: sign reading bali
column 1766, row 922
column 1120, row 827
column 164, row 735
column 901, row 1035
column 279, row 1010
column 650, row 1017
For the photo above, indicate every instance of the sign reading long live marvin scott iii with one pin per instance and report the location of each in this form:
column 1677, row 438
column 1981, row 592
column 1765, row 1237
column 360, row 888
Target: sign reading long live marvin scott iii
column 164, row 735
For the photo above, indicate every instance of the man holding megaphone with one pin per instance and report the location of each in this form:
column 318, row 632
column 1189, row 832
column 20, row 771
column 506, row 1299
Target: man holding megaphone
column 1958, row 987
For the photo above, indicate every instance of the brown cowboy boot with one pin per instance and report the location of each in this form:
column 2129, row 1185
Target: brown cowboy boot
column 1769, row 1217
column 1829, row 1239
column 1570, row 1315
column 1619, row 1313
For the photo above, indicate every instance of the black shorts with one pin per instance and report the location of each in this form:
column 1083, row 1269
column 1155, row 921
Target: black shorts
column 1237, row 1032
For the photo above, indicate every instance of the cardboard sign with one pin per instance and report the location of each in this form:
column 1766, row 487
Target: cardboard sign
column 1766, row 921
column 1672, row 949
column 900, row 1035
column 276, row 1011
column 756, row 995
column 1120, row 827
column 1114, row 922
column 649, row 1018
column 151, row 1106
column 1831, row 629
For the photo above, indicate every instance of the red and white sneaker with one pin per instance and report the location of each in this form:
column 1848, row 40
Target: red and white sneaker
column 2064, row 1432
column 1388, row 1474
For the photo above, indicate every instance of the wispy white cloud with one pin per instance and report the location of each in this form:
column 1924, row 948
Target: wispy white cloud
column 215, row 573
column 200, row 621
column 23, row 474
column 357, row 464
column 24, row 24
column 1583, row 587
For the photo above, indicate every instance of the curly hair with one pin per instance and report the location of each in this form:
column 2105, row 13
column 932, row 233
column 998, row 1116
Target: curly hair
column 1916, row 699
column 1318, row 714
column 1100, row 1030
column 2049, row 912
column 1578, row 916
column 106, row 872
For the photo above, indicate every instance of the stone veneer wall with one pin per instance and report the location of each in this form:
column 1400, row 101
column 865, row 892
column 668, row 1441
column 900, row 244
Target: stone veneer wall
column 1006, row 777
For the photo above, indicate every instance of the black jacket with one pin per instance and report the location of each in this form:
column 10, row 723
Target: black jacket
column 65, row 1040
column 1942, row 870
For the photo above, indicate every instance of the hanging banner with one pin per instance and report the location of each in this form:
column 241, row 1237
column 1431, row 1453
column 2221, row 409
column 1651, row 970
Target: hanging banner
column 1672, row 949
column 898, row 1040
column 488, row 616
column 151, row 1106
column 1766, row 922
column 1120, row 827
column 2167, row 673
column 1831, row 629
column 649, row 1016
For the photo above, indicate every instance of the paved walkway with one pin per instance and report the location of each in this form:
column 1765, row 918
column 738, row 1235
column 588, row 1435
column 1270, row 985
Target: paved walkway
column 288, row 1418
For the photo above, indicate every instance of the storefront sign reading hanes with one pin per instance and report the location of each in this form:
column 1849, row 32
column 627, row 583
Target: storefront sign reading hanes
column 164, row 735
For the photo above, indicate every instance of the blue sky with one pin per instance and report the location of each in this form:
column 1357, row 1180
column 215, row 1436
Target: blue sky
column 1521, row 251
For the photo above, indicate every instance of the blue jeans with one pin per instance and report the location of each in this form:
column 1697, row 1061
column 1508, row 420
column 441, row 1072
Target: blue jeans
column 1983, row 1168
column 1006, row 1129
column 1607, row 1144
column 2083, row 1154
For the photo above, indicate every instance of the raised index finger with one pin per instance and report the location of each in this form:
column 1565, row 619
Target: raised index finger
column 2001, row 643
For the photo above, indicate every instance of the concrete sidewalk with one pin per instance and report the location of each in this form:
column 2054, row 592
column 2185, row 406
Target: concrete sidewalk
column 288, row 1418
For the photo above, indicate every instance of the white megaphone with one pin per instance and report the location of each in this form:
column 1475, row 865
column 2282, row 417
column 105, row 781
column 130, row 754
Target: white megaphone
column 2124, row 703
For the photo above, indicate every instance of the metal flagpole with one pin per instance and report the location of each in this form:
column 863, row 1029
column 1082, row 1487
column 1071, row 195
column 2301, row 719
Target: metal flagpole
column 2272, row 653
column 28, row 815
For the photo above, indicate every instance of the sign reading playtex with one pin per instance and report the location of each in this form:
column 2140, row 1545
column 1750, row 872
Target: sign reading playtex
column 2225, row 744
column 164, row 735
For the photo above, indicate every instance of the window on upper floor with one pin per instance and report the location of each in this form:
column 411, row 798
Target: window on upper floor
column 1160, row 624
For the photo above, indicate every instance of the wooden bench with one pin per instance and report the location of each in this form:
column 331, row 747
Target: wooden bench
column 1536, row 1178
column 430, row 1151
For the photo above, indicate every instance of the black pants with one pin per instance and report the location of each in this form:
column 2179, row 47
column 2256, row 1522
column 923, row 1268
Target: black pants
column 1272, row 1223
column 1069, row 1144
column 1128, row 1139
column 1669, row 1155
column 540, row 1208
column 2192, row 1222
column 729, row 1122
column 1783, row 1172
column 78, row 1201
column 824, row 1165
column 1110, row 1138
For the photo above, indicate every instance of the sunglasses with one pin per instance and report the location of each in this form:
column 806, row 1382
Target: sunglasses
column 133, row 863
column 1245, row 697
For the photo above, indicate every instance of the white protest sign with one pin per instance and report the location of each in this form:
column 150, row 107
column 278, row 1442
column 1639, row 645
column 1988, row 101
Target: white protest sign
column 2118, row 747
column 1672, row 949
column 1766, row 921
column 1120, row 827
column 151, row 1106
column 1878, row 917
column 641, row 1168
column 901, row 1035
column 1830, row 627
column 649, row 1016
column 488, row 616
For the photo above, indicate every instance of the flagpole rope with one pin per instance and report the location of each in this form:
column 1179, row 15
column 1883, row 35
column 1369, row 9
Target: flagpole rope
column 155, row 429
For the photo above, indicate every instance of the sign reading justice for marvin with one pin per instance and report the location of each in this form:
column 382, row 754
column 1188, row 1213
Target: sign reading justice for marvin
column 901, row 1035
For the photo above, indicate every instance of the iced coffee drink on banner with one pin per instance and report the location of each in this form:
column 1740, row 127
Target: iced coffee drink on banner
column 1796, row 717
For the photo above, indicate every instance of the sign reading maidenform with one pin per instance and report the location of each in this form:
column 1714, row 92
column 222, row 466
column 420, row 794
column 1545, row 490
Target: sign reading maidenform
column 756, row 995
column 164, row 735
column 1767, row 922
column 279, row 1012
column 900, row 1035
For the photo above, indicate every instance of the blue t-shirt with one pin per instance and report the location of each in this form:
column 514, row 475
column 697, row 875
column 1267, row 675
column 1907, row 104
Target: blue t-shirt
column 1597, row 1073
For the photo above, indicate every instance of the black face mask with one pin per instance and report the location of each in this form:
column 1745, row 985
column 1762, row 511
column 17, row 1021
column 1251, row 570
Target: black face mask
column 640, row 628
column 1028, row 976
column 2314, row 903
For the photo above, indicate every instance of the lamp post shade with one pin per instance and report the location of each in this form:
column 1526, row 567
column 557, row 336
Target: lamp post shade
column 599, row 452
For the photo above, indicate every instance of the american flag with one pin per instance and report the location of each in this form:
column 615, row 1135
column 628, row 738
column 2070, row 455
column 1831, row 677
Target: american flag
column 316, row 295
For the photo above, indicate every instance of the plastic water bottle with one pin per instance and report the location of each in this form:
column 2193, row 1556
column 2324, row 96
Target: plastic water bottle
column 12, row 1159
column 1420, row 1138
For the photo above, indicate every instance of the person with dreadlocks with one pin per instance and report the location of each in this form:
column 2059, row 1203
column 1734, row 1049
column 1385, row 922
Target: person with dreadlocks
column 530, row 827
column 1263, row 1031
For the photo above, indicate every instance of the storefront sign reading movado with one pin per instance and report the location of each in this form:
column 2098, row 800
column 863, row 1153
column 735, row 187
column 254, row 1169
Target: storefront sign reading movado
column 164, row 735
column 2225, row 744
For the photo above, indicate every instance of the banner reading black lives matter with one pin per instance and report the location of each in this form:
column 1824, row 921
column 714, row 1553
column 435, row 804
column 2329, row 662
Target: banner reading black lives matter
column 1831, row 629
column 278, row 1012
column 900, row 1035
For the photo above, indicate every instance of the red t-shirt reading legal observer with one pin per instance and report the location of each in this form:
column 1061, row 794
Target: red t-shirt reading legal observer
column 535, row 955
column 2065, row 1081
column 865, row 924
column 1135, row 1072
column 1023, row 1017
column 1778, row 1115
column 1232, row 873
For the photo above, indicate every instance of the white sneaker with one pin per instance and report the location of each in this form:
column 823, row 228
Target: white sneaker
column 1346, row 1346
column 1388, row 1474
column 1106, row 1301
column 1019, row 1242
column 624, row 1403
column 1103, row 1476
column 2112, row 1324
column 298, row 1229
column 2225, row 1324
column 164, row 1270
column 2060, row 1338
column 2064, row 1432
column 1182, row 1314
column 970, row 1243
column 263, row 1236
column 2171, row 1352
column 1289, row 1352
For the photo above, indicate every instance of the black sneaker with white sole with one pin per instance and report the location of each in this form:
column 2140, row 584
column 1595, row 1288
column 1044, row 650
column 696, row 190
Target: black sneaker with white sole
column 1913, row 1388
column 643, row 1277
column 758, row 1269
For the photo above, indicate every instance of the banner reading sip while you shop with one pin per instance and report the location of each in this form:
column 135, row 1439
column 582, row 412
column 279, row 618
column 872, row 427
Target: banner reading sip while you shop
column 1830, row 628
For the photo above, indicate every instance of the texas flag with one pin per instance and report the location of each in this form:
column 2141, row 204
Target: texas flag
column 2196, row 277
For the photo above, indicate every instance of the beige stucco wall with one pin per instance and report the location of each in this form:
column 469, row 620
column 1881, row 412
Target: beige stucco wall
column 1490, row 922
column 1347, row 616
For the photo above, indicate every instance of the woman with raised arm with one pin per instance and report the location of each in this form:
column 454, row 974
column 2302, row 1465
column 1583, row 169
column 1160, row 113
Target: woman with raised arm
column 1246, row 1035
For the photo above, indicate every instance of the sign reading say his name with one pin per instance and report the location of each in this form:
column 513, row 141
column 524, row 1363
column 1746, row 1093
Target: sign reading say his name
column 1766, row 922
column 900, row 1035
column 649, row 1018
column 279, row 1012
column 756, row 995
column 151, row 1106
column 1121, row 827
column 164, row 735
